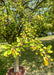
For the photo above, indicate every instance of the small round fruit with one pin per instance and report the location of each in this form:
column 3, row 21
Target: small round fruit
column 46, row 63
column 12, row 53
column 41, row 54
column 13, row 50
column 36, row 53
column 46, row 58
column 20, row 44
column 51, row 59
column 45, row 48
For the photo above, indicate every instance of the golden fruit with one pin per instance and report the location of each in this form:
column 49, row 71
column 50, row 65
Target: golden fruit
column 46, row 63
column 41, row 54
column 45, row 48
column 20, row 44
column 36, row 53
column 51, row 59
column 12, row 53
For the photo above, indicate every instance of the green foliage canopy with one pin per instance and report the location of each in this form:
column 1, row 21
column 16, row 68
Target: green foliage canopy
column 19, row 24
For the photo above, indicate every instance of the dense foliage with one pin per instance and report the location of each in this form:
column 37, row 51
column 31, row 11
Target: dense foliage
column 20, row 22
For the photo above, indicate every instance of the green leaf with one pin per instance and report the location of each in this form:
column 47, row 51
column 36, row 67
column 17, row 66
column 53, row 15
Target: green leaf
column 49, row 47
column 18, row 40
column 9, row 52
column 50, row 51
column 5, row 53
column 4, row 46
column 18, row 49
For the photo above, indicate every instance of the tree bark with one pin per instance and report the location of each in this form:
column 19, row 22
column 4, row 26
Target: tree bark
column 16, row 64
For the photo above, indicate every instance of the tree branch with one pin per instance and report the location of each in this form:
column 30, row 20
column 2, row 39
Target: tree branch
column 37, row 5
column 37, row 1
column 5, row 37
column 2, row 1
column 20, row 30
column 14, row 36
column 26, row 2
